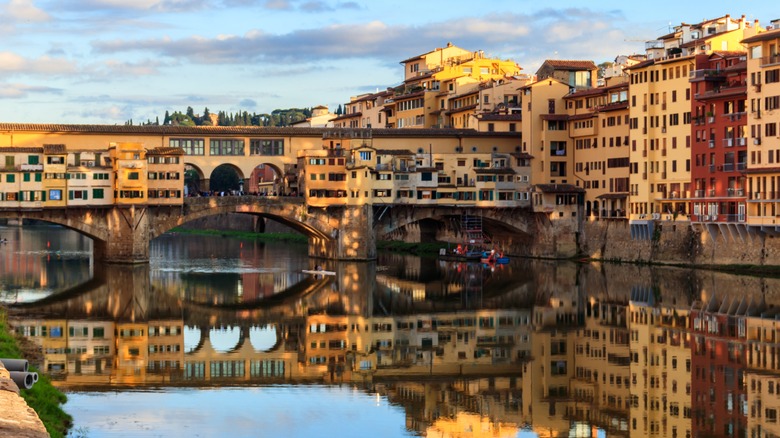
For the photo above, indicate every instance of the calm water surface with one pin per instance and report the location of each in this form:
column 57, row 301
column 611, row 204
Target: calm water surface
column 223, row 337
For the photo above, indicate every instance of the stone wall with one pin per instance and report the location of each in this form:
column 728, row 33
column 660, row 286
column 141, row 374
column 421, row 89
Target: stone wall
column 679, row 243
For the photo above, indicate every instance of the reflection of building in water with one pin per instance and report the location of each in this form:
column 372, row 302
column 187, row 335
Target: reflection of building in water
column 471, row 406
column 602, row 366
column 763, row 372
column 718, row 360
column 660, row 366
column 547, row 377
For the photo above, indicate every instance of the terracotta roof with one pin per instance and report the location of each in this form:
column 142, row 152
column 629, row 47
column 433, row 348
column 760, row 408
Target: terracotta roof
column 614, row 106
column 394, row 152
column 165, row 151
column 169, row 130
column 763, row 36
column 582, row 116
column 559, row 188
column 613, row 195
column 463, row 108
column 20, row 150
column 489, row 171
column 501, row 117
column 762, row 170
column 54, row 149
column 346, row 116
column 408, row 96
column 564, row 64
column 642, row 64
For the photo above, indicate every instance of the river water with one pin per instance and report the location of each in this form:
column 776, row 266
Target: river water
column 220, row 336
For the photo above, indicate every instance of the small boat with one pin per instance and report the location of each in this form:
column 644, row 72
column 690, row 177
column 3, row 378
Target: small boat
column 318, row 272
column 494, row 258
column 461, row 254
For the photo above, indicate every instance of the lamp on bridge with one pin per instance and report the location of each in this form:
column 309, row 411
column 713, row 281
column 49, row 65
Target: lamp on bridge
column 241, row 187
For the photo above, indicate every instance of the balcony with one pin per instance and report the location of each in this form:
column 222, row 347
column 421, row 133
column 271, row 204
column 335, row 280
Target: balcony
column 742, row 165
column 728, row 167
column 698, row 120
column 741, row 141
column 711, row 74
column 731, row 192
column 698, row 193
column 712, row 144
column 770, row 60
column 711, row 193
column 728, row 142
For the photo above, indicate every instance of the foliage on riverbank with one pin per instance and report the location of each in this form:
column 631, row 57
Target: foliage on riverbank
column 43, row 398
column 266, row 237
column 431, row 248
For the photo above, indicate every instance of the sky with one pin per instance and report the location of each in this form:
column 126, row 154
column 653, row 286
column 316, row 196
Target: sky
column 110, row 61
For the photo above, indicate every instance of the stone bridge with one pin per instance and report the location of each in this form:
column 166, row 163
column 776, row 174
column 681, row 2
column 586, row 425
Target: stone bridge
column 122, row 233
column 517, row 230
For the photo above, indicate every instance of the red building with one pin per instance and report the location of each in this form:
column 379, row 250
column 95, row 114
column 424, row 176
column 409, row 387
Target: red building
column 718, row 363
column 719, row 137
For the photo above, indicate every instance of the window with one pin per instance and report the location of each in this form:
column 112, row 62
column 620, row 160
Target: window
column 10, row 178
column 365, row 155
column 226, row 146
column 191, row 146
column 97, row 194
column 133, row 175
column 267, row 147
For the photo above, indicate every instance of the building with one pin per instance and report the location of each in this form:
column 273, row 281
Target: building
column 598, row 127
column 763, row 149
column 719, row 141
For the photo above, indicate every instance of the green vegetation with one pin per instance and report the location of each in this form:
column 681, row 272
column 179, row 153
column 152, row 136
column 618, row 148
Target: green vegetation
column 43, row 397
column 267, row 237
column 414, row 248
column 278, row 117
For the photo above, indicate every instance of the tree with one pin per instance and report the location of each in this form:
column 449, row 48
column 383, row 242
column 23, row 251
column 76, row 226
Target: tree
column 339, row 110
column 167, row 119
column 224, row 178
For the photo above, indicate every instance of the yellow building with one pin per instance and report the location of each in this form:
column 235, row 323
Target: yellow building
column 90, row 182
column 545, row 134
column 433, row 78
column 598, row 127
column 55, row 173
column 165, row 176
column 659, row 118
column 21, row 177
column 763, row 103
column 129, row 166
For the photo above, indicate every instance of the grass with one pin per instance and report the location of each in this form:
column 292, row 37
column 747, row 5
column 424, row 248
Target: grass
column 267, row 237
column 43, row 397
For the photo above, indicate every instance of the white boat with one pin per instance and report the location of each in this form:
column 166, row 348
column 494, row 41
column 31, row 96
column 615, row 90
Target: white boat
column 318, row 272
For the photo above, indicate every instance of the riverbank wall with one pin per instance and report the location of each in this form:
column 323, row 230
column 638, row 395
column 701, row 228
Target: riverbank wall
column 17, row 419
column 678, row 243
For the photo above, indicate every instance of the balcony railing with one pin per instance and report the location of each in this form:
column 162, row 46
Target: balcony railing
column 728, row 167
column 698, row 193
column 741, row 165
column 718, row 217
column 770, row 60
column 735, row 191
column 712, row 144
column 728, row 142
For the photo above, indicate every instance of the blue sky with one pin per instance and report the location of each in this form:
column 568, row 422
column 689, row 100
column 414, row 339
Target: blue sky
column 107, row 61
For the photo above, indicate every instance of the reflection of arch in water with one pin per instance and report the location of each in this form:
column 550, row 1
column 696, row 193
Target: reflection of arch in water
column 264, row 338
column 226, row 339
column 193, row 339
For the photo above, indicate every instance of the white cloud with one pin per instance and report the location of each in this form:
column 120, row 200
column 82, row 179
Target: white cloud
column 20, row 91
column 12, row 63
column 23, row 10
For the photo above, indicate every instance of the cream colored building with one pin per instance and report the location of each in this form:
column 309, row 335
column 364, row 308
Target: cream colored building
column 598, row 126
column 763, row 107
column 165, row 176
column 55, row 174
column 21, row 177
column 545, row 133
